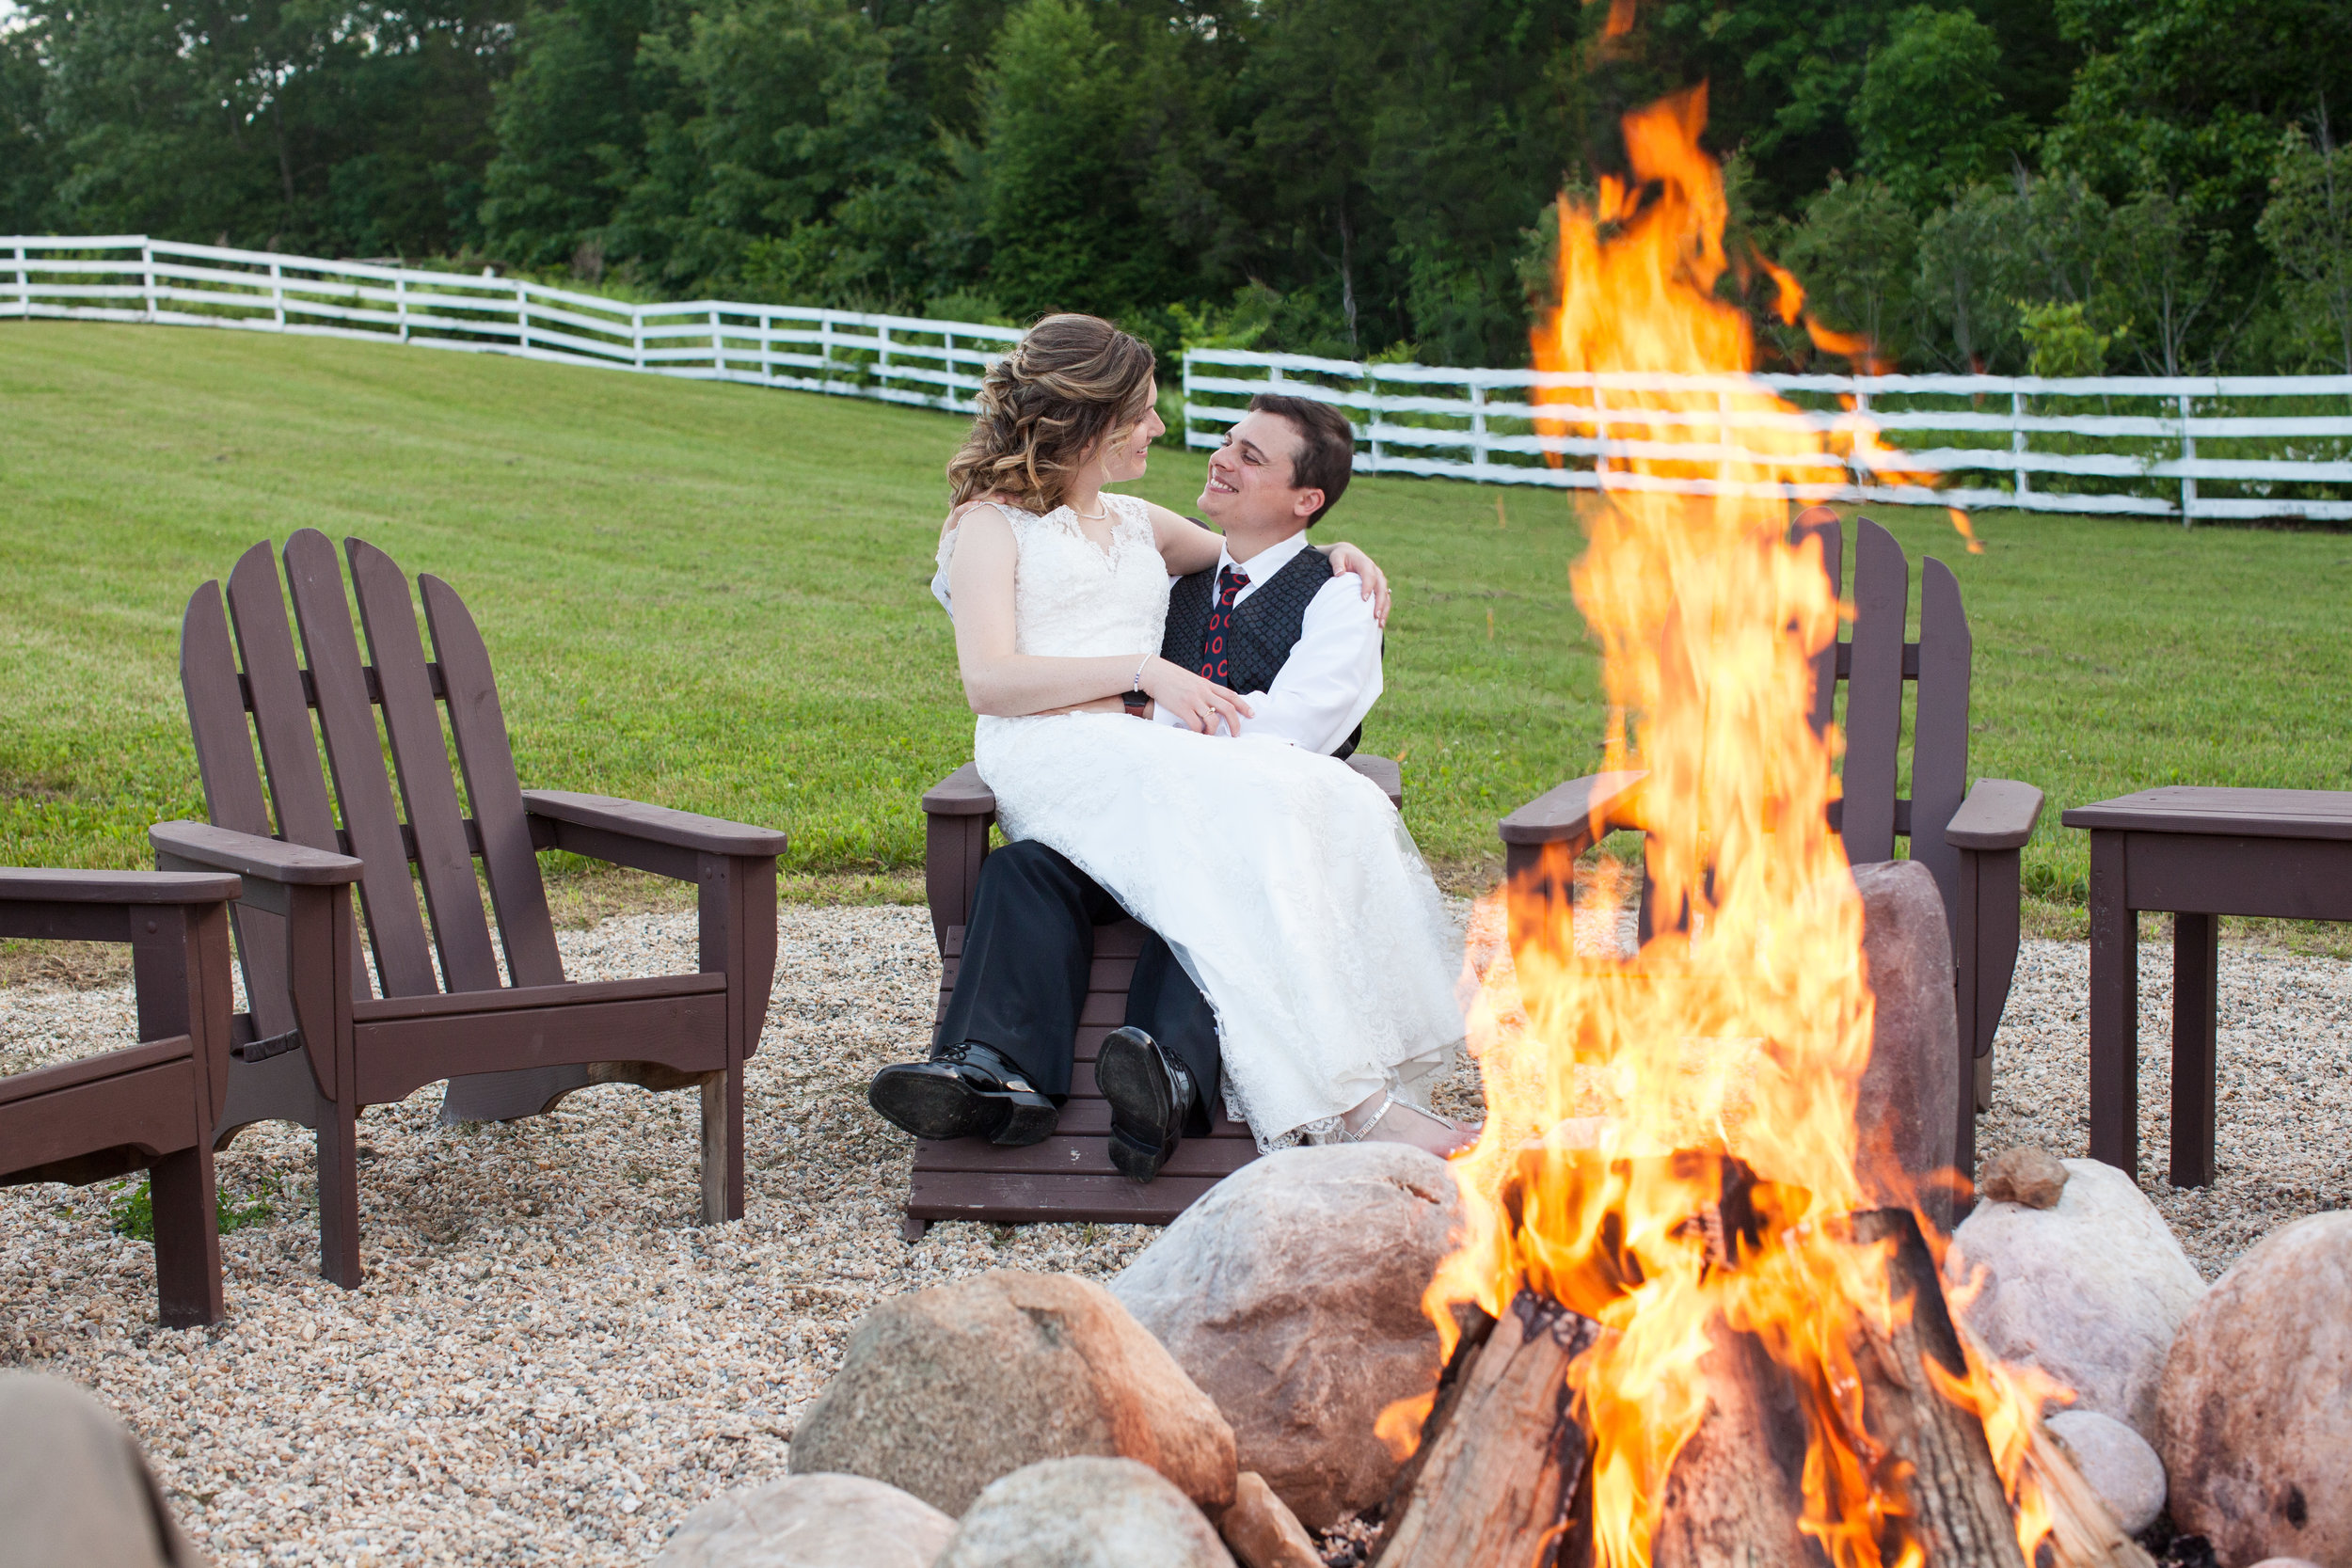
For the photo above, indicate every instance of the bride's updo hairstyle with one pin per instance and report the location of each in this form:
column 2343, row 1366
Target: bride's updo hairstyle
column 1074, row 381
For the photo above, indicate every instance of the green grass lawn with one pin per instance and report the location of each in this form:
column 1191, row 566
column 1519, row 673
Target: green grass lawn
column 714, row 597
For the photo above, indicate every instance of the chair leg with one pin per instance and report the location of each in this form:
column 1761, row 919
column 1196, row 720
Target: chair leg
column 723, row 1146
column 339, row 1192
column 187, row 1239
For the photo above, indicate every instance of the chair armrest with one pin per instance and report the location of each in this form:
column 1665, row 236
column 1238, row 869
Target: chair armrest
column 1384, row 772
column 26, row 884
column 678, row 830
column 1571, row 810
column 1999, row 814
column 962, row 793
column 269, row 859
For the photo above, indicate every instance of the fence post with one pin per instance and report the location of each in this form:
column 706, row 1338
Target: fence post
column 400, row 303
column 1601, row 434
column 882, row 336
column 147, row 264
column 522, row 314
column 717, row 346
column 825, row 350
column 2188, row 481
column 24, row 287
column 1478, row 427
column 2019, row 484
column 768, row 345
column 1186, row 432
column 637, row 336
column 277, row 294
column 1372, row 415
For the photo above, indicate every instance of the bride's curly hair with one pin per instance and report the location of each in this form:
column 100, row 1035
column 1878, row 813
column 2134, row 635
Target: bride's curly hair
column 1073, row 382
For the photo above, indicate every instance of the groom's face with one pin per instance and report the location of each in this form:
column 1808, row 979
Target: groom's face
column 1249, row 485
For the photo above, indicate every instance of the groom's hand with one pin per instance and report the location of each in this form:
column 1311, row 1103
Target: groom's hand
column 1201, row 705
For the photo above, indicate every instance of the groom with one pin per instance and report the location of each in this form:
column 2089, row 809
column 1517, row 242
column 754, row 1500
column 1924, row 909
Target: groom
column 1302, row 648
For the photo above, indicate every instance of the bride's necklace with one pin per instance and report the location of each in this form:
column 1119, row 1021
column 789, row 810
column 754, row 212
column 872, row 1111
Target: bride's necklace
column 1090, row 516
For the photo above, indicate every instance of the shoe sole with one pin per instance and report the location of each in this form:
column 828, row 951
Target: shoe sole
column 935, row 1105
column 1134, row 1080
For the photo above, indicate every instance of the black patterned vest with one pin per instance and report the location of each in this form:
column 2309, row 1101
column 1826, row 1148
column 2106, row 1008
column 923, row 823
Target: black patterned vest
column 1266, row 625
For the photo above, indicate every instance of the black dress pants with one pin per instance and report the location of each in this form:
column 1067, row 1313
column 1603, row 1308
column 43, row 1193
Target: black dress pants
column 1022, row 976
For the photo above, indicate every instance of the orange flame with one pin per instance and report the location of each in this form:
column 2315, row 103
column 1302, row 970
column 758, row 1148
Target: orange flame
column 1670, row 1145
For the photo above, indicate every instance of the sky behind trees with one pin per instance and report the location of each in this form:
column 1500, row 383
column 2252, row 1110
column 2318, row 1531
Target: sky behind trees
column 2134, row 185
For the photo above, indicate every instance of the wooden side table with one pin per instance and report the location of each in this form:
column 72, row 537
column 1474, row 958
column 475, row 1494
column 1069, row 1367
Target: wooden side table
column 2199, row 854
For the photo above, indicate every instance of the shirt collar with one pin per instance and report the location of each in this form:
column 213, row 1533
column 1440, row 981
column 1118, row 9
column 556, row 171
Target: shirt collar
column 1266, row 561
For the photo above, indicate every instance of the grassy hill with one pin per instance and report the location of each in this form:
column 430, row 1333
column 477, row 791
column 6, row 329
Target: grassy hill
column 715, row 598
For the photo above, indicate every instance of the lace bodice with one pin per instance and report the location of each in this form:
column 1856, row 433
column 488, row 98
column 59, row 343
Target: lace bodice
column 1072, row 600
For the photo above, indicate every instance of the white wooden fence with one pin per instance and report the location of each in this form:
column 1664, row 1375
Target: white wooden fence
column 2276, row 446
column 129, row 278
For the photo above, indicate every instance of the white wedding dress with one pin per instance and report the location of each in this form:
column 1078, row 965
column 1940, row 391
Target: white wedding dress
column 1284, row 881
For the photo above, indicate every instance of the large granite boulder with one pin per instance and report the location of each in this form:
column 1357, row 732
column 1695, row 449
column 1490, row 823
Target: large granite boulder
column 1084, row 1513
column 816, row 1520
column 1907, row 1107
column 2257, row 1401
column 2118, row 1463
column 942, row 1391
column 2089, row 1289
column 1291, row 1295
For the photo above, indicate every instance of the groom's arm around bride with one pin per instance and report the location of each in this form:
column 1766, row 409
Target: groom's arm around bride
column 1269, row 621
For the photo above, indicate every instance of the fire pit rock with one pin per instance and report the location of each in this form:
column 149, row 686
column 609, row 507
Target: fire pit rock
column 2116, row 1461
column 1084, row 1512
column 1291, row 1295
column 820, row 1521
column 942, row 1391
column 1908, row 1104
column 2257, row 1401
column 2092, row 1290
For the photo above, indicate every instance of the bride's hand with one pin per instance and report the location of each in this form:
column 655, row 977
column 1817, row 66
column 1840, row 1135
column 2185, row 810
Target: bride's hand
column 1199, row 704
column 1349, row 558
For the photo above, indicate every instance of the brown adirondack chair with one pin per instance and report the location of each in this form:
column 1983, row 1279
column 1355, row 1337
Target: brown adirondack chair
column 148, row 1106
column 323, row 1039
column 1968, row 837
column 1069, row 1176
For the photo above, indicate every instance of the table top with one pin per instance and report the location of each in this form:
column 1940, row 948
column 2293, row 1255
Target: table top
column 2204, row 808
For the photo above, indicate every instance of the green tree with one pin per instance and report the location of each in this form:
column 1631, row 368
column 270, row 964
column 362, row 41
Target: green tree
column 1966, row 291
column 2167, row 271
column 2307, row 229
column 1062, row 219
column 1857, row 254
column 1930, row 118
column 570, row 133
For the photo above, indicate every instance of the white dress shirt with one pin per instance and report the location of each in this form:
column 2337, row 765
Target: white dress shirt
column 1332, row 676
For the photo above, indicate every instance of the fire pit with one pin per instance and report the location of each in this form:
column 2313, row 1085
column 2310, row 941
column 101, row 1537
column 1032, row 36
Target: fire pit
column 1682, row 1328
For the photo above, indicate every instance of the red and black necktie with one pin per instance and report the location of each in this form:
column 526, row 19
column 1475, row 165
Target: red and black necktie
column 1229, row 581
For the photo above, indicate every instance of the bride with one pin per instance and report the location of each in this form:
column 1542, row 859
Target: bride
column 1284, row 882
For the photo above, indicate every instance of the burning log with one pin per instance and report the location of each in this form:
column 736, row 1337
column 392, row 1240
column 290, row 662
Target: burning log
column 1501, row 1462
column 1501, row 1473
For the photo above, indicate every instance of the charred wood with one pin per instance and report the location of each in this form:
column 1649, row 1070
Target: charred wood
column 1501, row 1469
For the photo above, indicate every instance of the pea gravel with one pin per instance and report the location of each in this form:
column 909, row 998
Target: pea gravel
column 550, row 1362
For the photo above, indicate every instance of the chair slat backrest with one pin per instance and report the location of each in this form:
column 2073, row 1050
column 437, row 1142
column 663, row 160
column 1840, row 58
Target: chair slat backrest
column 1874, row 667
column 354, row 754
column 280, row 694
column 232, row 790
column 488, row 760
column 1874, row 694
column 421, row 761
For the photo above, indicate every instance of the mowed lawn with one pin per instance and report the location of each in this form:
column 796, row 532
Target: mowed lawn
column 715, row 598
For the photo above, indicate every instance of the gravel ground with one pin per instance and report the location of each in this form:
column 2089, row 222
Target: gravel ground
column 2282, row 1122
column 550, row 1362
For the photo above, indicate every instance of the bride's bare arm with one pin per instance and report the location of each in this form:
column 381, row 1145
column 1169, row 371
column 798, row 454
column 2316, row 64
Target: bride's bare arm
column 1188, row 548
column 1010, row 685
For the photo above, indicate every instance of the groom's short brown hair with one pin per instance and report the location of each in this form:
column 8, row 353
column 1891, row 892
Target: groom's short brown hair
column 1327, row 445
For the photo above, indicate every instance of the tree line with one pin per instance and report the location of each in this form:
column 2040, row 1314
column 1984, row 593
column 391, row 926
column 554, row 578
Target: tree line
column 2127, row 185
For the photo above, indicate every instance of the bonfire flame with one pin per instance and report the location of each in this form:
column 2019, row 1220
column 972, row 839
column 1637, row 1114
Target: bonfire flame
column 1670, row 1145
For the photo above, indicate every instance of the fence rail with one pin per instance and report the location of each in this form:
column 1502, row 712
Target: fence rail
column 130, row 277
column 2188, row 448
column 2228, row 447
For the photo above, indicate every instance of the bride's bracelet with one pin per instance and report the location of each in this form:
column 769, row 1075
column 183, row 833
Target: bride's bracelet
column 1134, row 698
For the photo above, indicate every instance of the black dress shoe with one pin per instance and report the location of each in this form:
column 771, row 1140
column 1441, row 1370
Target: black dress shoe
column 1149, row 1094
column 964, row 1091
